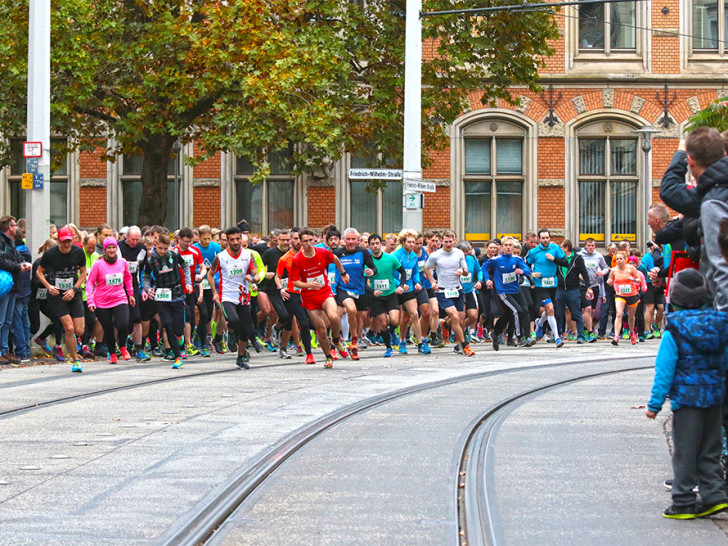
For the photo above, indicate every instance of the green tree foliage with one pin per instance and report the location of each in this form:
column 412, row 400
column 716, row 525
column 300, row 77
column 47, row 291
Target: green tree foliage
column 714, row 115
column 134, row 76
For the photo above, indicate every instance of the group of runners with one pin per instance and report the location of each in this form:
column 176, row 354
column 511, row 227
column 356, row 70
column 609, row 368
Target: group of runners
column 148, row 293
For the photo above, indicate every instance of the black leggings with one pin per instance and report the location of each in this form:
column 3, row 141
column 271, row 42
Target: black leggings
column 172, row 317
column 205, row 309
column 515, row 312
column 284, row 317
column 294, row 307
column 90, row 321
column 239, row 320
column 114, row 317
column 55, row 327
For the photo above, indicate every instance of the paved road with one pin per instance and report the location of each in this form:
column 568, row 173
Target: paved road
column 131, row 465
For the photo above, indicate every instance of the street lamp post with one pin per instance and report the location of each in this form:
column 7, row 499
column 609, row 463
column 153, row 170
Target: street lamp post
column 646, row 134
column 412, row 159
column 39, row 117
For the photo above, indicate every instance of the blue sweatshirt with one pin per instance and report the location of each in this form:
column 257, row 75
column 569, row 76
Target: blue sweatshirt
column 502, row 271
column 409, row 261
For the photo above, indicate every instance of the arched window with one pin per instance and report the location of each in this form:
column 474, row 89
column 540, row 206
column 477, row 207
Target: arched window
column 607, row 181
column 493, row 179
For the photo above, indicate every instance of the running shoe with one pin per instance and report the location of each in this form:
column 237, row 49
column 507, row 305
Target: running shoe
column 178, row 363
column 511, row 342
column 625, row 334
column 169, row 357
column 423, row 348
column 191, row 350
column 467, row 351
column 458, row 349
column 314, row 340
column 658, row 334
column 268, row 344
column 580, row 340
column 709, row 510
column 329, row 362
column 257, row 345
column 342, row 349
column 531, row 341
column 334, row 356
column 539, row 331
column 112, row 359
column 632, row 338
column 242, row 362
column 125, row 353
column 496, row 343
column 76, row 367
column 283, row 354
column 388, row 353
column 354, row 352
column 141, row 356
column 559, row 342
column 217, row 345
column 44, row 345
column 615, row 340
column 157, row 352
column 402, row 348
column 58, row 353
column 205, row 352
column 395, row 338
column 86, row 352
column 299, row 351
column 680, row 512
column 437, row 341
column 649, row 335
column 592, row 338
column 225, row 348
column 310, row 359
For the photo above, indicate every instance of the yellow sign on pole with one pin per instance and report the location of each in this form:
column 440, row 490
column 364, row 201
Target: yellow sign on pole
column 27, row 181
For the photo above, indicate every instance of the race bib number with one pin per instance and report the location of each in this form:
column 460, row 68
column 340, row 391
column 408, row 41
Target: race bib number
column 284, row 283
column 236, row 271
column 452, row 293
column 205, row 284
column 421, row 266
column 188, row 259
column 548, row 282
column 624, row 289
column 317, row 280
column 163, row 294
column 41, row 294
column 114, row 279
column 407, row 275
column 64, row 284
column 590, row 264
column 353, row 295
column 509, row 278
column 332, row 278
column 133, row 267
column 381, row 284
column 466, row 279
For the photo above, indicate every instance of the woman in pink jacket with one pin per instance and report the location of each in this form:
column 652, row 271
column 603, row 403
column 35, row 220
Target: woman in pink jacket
column 109, row 292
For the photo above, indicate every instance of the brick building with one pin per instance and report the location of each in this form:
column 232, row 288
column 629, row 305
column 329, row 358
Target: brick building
column 567, row 159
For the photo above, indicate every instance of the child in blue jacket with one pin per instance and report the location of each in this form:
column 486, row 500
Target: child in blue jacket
column 691, row 370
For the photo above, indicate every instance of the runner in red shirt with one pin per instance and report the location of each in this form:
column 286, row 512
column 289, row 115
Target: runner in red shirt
column 193, row 257
column 309, row 273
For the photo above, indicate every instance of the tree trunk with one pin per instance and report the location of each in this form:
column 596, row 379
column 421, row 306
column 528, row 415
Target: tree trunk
column 157, row 150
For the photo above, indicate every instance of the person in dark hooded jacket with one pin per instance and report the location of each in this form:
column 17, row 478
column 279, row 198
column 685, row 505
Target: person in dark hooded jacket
column 690, row 368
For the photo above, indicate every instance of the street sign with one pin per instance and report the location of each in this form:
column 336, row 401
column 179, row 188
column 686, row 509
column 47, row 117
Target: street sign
column 38, row 181
column 375, row 174
column 31, row 165
column 32, row 149
column 419, row 185
column 26, row 182
column 414, row 201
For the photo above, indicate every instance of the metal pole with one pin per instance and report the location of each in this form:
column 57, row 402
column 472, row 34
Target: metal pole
column 412, row 163
column 39, row 118
column 645, row 134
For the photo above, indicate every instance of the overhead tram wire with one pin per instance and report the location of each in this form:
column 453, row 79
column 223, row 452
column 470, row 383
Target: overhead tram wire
column 524, row 6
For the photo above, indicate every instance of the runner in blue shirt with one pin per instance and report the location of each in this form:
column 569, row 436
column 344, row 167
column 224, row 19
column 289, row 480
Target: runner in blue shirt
column 412, row 286
column 470, row 283
column 543, row 260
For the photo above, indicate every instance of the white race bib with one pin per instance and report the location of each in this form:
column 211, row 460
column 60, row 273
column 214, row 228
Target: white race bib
column 624, row 289
column 189, row 260
column 452, row 293
column 64, row 284
column 317, row 280
column 332, row 278
column 421, row 266
column 114, row 279
column 205, row 284
column 41, row 294
column 284, row 283
column 381, row 284
column 133, row 267
column 590, row 264
column 509, row 278
column 353, row 295
column 466, row 279
column 163, row 294
column 236, row 271
column 407, row 275
column 548, row 282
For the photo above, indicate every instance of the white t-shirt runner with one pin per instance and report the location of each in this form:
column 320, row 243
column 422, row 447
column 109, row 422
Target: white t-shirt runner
column 233, row 287
column 446, row 264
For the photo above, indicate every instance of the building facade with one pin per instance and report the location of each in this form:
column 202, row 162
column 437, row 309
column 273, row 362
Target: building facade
column 567, row 159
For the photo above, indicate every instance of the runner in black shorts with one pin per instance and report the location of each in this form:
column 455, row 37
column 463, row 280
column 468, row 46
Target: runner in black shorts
column 62, row 271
